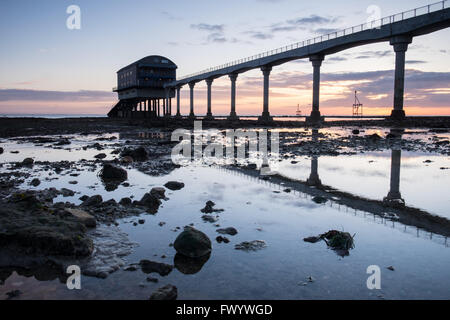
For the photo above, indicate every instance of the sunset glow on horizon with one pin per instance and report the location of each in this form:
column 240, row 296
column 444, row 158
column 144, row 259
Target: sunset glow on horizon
column 53, row 70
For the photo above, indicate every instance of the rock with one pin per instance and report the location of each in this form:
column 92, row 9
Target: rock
column 209, row 208
column 83, row 217
column 130, row 268
column 126, row 160
column 230, row 230
column 251, row 245
column 67, row 192
column 84, row 198
column 141, row 221
column 355, row 131
column 93, row 201
column 73, row 182
column 62, row 142
column 112, row 172
column 151, row 202
column 27, row 162
column 174, row 185
column 13, row 294
column 35, row 182
column 339, row 241
column 139, row 154
column 1, row 150
column 100, row 156
column 151, row 279
column 168, row 292
column 41, row 231
column 374, row 137
column 390, row 268
column 158, row 192
column 319, row 199
column 125, row 201
column 209, row 218
column 192, row 243
column 148, row 266
column 221, row 239
column 312, row 239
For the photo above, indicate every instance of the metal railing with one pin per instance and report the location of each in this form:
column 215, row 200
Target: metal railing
column 333, row 35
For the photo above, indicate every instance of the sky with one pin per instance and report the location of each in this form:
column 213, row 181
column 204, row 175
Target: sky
column 46, row 68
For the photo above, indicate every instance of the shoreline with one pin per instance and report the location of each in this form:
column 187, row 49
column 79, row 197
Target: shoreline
column 14, row 127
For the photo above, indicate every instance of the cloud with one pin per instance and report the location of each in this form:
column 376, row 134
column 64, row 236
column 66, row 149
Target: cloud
column 374, row 54
column 208, row 27
column 304, row 23
column 42, row 95
column 259, row 35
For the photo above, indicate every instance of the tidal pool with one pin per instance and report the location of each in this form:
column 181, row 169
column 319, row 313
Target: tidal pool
column 288, row 268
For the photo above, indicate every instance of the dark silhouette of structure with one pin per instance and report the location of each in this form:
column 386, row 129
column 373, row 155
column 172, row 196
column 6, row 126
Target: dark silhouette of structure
column 399, row 29
column 140, row 87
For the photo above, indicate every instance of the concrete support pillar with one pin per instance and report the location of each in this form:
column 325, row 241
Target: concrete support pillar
column 159, row 108
column 265, row 116
column 191, row 90
column 164, row 106
column 316, row 62
column 209, row 115
column 178, row 115
column 166, row 102
column 400, row 45
column 170, row 106
column 233, row 115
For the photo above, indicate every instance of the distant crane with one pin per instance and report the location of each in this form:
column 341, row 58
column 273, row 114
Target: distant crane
column 357, row 107
column 298, row 112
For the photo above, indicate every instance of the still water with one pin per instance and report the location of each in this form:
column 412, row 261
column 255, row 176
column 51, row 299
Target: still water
column 260, row 210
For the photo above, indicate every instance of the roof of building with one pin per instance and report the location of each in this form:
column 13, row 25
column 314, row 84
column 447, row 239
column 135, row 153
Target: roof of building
column 153, row 61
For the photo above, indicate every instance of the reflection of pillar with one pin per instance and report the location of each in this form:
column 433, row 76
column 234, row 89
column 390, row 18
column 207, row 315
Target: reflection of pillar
column 316, row 62
column 233, row 115
column 314, row 179
column 394, row 191
column 209, row 113
column 400, row 44
column 394, row 196
column 191, row 87
column 265, row 116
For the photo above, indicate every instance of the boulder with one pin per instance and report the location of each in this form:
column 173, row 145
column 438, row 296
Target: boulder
column 93, row 201
column 168, row 292
column 126, row 159
column 1, row 150
column 174, row 185
column 158, row 192
column 151, row 202
column 112, row 172
column 139, row 154
column 35, row 182
column 83, row 217
column 230, row 230
column 100, row 156
column 148, row 266
column 192, row 243
column 27, row 162
column 125, row 201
